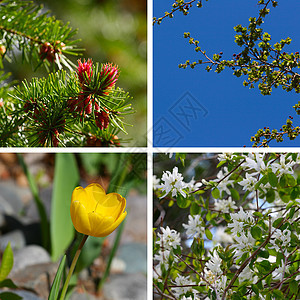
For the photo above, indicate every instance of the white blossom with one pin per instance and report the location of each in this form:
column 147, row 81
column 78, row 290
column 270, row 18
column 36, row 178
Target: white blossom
column 225, row 205
column 173, row 183
column 239, row 220
column 187, row 298
column 282, row 167
column 194, row 228
column 214, row 263
column 283, row 238
column 193, row 185
column 280, row 271
column 224, row 182
column 244, row 243
column 184, row 285
column 255, row 161
column 169, row 238
column 246, row 274
column 246, row 217
column 222, row 236
column 226, row 156
column 248, row 183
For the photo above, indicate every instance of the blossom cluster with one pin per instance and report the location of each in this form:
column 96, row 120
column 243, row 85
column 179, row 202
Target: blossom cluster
column 242, row 237
column 173, row 184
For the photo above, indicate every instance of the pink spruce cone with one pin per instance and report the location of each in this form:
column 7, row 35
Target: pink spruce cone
column 82, row 68
column 109, row 75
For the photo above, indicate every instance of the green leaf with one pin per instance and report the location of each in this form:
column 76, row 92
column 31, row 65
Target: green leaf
column 278, row 294
column 235, row 194
column 208, row 234
column 269, row 280
column 277, row 222
column 263, row 266
column 10, row 296
column 195, row 209
column 7, row 262
column 263, row 253
column 215, row 193
column 264, row 180
column 292, row 212
column 221, row 163
column 273, row 179
column 56, row 282
column 182, row 202
column 208, row 216
column 7, row 283
column 258, row 214
column 291, row 180
column 294, row 287
column 283, row 181
column 256, row 232
column 284, row 195
column 270, row 196
column 295, row 192
column 66, row 177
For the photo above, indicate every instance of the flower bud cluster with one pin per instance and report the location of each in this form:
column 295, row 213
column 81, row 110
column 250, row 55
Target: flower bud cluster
column 51, row 52
column 87, row 100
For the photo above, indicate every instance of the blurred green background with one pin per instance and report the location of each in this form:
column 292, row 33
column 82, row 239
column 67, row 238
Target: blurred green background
column 110, row 31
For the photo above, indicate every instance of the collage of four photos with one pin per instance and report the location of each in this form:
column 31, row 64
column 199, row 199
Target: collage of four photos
column 149, row 150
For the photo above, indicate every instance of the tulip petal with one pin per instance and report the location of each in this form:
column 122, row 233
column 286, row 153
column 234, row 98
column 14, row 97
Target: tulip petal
column 95, row 194
column 79, row 217
column 113, row 205
column 110, row 229
column 80, row 194
column 99, row 223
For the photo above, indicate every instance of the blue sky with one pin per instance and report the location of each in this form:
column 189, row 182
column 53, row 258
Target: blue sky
column 194, row 108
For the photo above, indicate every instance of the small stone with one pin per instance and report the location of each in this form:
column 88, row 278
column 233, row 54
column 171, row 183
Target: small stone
column 125, row 287
column 9, row 193
column 82, row 296
column 37, row 277
column 134, row 255
column 16, row 239
column 5, row 207
column 117, row 265
column 30, row 255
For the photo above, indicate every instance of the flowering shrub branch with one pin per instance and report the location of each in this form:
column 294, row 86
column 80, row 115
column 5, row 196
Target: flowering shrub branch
column 241, row 240
column 266, row 65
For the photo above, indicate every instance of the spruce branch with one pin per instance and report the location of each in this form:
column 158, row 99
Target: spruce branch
column 55, row 109
column 41, row 39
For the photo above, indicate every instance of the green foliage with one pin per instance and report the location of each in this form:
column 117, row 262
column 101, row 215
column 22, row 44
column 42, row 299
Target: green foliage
column 57, row 280
column 41, row 38
column 66, row 178
column 10, row 296
column 7, row 262
column 5, row 268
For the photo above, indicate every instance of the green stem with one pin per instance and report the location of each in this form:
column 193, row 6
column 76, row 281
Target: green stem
column 71, row 270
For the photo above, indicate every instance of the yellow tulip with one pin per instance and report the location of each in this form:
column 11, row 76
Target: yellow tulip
column 95, row 213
